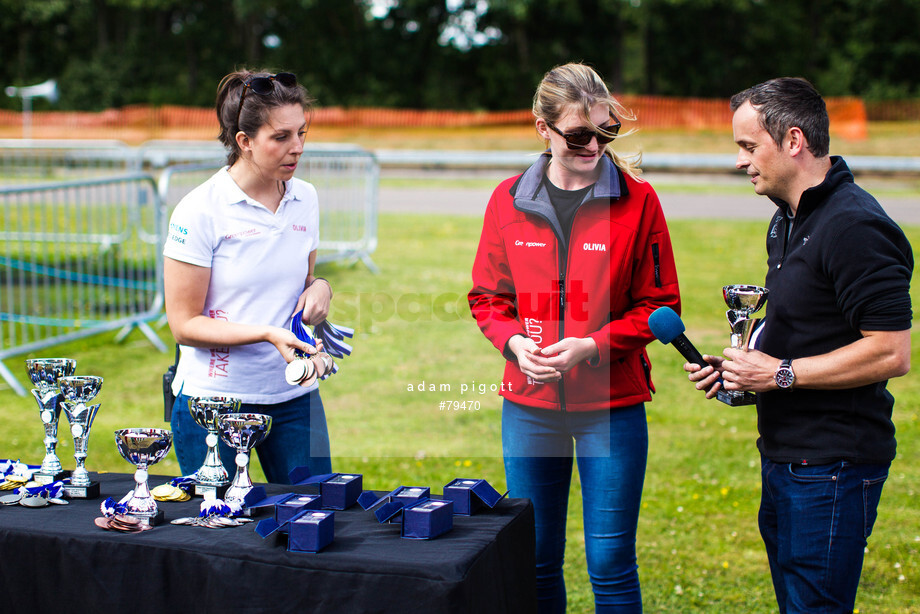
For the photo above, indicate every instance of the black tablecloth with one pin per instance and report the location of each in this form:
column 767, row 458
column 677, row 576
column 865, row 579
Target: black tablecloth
column 56, row 559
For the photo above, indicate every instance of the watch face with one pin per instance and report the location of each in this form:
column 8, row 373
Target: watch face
column 784, row 377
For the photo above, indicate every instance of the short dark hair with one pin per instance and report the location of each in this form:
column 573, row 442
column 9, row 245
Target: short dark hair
column 254, row 112
column 789, row 102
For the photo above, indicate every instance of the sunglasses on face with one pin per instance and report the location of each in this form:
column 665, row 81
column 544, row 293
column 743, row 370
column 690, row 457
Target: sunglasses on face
column 580, row 138
column 264, row 86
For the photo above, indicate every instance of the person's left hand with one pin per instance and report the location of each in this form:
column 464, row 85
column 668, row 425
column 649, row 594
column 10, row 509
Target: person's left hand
column 708, row 377
column 315, row 302
column 565, row 354
column 749, row 370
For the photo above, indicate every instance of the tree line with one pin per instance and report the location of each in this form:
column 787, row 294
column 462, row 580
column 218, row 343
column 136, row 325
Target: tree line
column 452, row 54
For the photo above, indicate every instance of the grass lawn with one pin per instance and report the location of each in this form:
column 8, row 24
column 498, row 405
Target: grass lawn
column 699, row 549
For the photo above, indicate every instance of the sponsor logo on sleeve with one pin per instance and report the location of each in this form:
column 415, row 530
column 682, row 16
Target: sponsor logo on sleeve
column 177, row 233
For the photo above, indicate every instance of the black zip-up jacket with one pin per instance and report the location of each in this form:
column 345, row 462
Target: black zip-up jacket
column 845, row 267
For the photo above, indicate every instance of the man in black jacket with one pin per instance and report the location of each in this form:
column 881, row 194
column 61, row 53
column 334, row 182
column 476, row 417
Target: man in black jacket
column 837, row 327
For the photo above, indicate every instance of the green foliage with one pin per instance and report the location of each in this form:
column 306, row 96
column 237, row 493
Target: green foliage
column 698, row 546
column 426, row 54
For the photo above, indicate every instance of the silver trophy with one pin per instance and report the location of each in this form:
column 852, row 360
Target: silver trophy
column 242, row 432
column 742, row 301
column 143, row 447
column 211, row 478
column 44, row 373
column 78, row 390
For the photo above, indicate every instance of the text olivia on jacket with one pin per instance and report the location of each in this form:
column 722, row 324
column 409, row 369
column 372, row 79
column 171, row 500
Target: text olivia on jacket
column 603, row 281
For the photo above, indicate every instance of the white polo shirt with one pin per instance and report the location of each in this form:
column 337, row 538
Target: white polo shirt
column 259, row 262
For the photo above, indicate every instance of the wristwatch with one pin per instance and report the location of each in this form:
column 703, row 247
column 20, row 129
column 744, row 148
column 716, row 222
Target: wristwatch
column 785, row 376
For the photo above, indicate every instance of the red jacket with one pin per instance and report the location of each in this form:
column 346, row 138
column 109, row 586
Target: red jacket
column 616, row 269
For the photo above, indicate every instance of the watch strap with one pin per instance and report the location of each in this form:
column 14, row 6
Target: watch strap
column 785, row 376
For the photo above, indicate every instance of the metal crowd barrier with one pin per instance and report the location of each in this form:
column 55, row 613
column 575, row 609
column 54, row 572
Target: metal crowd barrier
column 346, row 180
column 84, row 256
column 78, row 258
column 27, row 161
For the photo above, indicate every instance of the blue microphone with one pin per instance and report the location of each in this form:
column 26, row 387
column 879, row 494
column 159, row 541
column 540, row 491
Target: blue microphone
column 668, row 328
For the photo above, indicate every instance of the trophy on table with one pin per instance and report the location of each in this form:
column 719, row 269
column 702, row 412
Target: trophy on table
column 742, row 301
column 44, row 374
column 242, row 432
column 143, row 447
column 212, row 478
column 78, row 390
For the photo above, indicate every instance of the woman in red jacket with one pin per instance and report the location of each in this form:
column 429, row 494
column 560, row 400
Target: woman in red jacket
column 574, row 256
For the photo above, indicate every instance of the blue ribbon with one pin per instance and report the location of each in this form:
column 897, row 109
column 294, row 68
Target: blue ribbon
column 18, row 468
column 214, row 507
column 332, row 336
column 54, row 490
column 110, row 507
column 185, row 482
column 219, row 507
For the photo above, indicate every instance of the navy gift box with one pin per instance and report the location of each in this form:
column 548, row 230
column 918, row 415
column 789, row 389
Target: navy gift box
column 409, row 495
column 396, row 500
column 286, row 506
column 294, row 503
column 339, row 490
column 427, row 519
column 469, row 496
column 311, row 530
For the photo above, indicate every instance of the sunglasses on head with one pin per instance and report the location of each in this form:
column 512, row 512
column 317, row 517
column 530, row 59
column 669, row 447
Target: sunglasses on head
column 264, row 86
column 579, row 139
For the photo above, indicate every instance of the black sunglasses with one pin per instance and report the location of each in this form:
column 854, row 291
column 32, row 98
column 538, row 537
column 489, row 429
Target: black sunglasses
column 580, row 138
column 264, row 86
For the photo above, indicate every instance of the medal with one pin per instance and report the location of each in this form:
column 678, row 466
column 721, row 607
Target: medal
column 300, row 372
column 121, row 523
column 33, row 501
column 168, row 492
column 10, row 499
column 332, row 338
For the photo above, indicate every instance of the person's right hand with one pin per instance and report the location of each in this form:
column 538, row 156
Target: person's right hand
column 525, row 349
column 708, row 378
column 287, row 343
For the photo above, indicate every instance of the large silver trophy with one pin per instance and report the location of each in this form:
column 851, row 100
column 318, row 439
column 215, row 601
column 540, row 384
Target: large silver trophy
column 143, row 447
column 78, row 391
column 242, row 432
column 44, row 373
column 211, row 478
column 743, row 301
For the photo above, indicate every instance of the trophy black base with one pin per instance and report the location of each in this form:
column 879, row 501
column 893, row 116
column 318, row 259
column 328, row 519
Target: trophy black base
column 209, row 491
column 152, row 521
column 82, row 492
column 736, row 398
column 50, row 478
column 252, row 512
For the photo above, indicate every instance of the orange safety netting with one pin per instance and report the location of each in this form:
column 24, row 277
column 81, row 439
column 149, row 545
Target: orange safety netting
column 139, row 123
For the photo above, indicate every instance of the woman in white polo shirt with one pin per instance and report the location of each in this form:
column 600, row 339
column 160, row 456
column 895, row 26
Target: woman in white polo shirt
column 238, row 264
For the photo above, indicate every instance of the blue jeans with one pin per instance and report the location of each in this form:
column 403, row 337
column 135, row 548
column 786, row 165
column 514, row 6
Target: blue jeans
column 298, row 437
column 815, row 520
column 612, row 449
